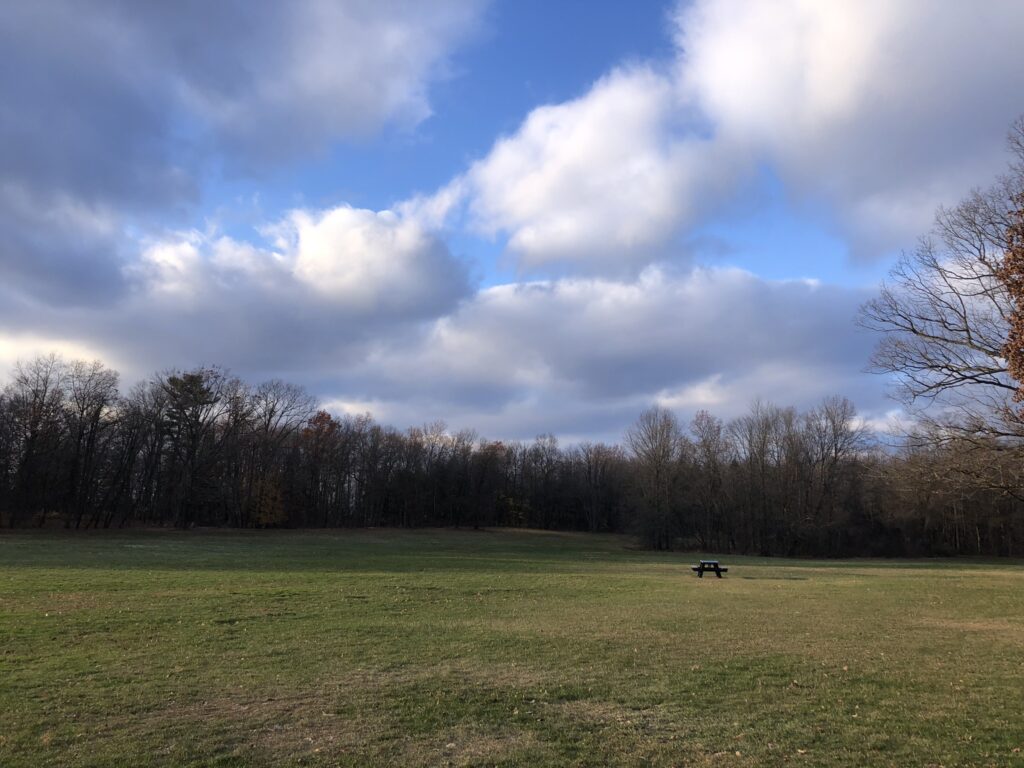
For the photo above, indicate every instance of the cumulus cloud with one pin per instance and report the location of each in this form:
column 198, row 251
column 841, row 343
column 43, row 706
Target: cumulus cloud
column 886, row 110
column 356, row 262
column 880, row 111
column 370, row 259
column 283, row 77
column 580, row 357
column 584, row 355
column 120, row 86
column 113, row 112
column 600, row 180
column 307, row 299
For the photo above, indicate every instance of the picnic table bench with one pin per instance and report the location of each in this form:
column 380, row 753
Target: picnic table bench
column 708, row 565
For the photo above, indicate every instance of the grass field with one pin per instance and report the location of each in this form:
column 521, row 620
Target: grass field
column 496, row 648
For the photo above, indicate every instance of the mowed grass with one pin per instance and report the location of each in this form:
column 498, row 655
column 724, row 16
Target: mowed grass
column 496, row 648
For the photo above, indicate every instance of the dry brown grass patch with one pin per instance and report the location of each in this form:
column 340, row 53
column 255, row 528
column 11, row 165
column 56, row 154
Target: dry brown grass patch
column 472, row 745
column 1010, row 630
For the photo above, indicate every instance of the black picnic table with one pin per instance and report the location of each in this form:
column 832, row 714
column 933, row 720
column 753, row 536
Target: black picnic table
column 708, row 565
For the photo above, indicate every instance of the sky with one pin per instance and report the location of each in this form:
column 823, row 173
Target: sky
column 515, row 216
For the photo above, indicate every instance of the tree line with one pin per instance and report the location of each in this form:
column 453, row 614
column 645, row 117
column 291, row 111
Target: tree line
column 203, row 448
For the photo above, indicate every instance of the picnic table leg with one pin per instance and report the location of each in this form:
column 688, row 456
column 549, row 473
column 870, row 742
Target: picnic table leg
column 700, row 573
column 718, row 573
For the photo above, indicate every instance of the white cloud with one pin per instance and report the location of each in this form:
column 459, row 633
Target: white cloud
column 434, row 210
column 778, row 68
column 174, row 269
column 246, row 261
column 879, row 110
column 891, row 423
column 886, row 110
column 22, row 347
column 706, row 393
column 369, row 259
column 602, row 179
column 374, row 408
column 358, row 262
column 882, row 111
column 586, row 354
column 113, row 112
column 312, row 70
column 303, row 302
column 576, row 356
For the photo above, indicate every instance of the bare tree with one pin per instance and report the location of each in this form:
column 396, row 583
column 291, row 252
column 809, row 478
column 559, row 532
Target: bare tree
column 277, row 410
column 834, row 438
column 659, row 449
column 946, row 311
column 91, row 398
column 205, row 408
column 600, row 464
column 754, row 435
column 954, row 330
column 712, row 452
column 36, row 399
column 203, row 447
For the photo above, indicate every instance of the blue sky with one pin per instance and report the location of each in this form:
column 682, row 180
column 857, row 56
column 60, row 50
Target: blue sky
column 520, row 217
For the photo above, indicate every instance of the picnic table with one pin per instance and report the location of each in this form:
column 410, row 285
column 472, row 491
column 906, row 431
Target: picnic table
column 708, row 565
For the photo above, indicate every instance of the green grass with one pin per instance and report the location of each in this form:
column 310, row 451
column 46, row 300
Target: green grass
column 507, row 648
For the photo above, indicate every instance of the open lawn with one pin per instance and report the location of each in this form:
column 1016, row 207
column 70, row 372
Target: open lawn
column 507, row 648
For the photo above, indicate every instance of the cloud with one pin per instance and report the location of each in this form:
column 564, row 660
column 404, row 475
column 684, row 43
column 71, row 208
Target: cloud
column 603, row 180
column 885, row 110
column 582, row 356
column 371, row 259
column 365, row 265
column 284, row 77
column 114, row 113
column 874, row 112
column 122, row 87
column 59, row 247
column 306, row 300
column 15, row 348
